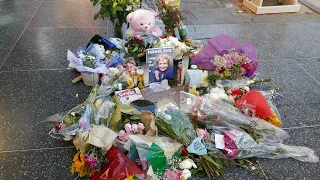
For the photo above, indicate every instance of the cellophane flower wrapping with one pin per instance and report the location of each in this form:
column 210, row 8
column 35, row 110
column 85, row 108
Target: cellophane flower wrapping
column 216, row 107
column 238, row 144
column 119, row 167
column 216, row 56
column 94, row 59
column 152, row 151
column 180, row 124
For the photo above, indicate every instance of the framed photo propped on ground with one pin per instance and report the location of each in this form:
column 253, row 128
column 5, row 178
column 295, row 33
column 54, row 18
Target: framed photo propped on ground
column 160, row 64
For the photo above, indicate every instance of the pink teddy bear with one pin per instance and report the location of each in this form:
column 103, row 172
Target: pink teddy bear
column 142, row 21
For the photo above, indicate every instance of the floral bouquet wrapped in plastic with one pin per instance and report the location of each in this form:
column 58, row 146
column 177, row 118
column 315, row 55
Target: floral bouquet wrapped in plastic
column 217, row 107
column 227, row 59
column 228, row 141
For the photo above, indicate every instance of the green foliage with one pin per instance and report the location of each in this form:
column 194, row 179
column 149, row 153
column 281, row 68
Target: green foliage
column 115, row 10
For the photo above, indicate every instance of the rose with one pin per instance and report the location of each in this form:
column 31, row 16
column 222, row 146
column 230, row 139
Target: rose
column 89, row 160
column 203, row 134
column 122, row 136
column 128, row 128
column 134, row 128
column 140, row 128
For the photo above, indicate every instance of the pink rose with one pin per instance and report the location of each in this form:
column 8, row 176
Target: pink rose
column 122, row 136
column 83, row 122
column 140, row 128
column 134, row 128
column 89, row 160
column 128, row 128
column 62, row 126
column 203, row 134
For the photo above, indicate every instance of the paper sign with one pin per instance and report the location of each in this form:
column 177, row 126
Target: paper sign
column 197, row 147
column 188, row 100
column 219, row 141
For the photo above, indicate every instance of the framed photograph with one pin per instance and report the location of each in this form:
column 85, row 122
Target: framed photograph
column 160, row 64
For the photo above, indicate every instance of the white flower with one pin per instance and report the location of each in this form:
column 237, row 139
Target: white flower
column 129, row 8
column 186, row 174
column 187, row 164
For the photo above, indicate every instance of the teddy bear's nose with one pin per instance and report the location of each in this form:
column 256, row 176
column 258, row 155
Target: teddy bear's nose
column 146, row 27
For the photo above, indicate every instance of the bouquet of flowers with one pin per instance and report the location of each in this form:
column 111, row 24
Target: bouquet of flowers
column 232, row 65
column 227, row 59
column 231, row 142
column 138, row 45
column 179, row 48
column 86, row 164
column 171, row 15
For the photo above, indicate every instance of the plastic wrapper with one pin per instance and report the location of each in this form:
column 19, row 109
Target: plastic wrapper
column 76, row 120
column 119, row 167
column 104, row 113
column 228, row 141
column 234, row 84
column 153, row 152
column 114, row 61
column 220, row 45
column 214, row 107
column 126, row 81
column 76, row 62
column 99, row 136
column 253, row 103
column 119, row 43
column 180, row 123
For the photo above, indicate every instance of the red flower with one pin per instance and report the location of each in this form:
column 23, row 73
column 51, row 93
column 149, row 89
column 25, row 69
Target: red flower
column 141, row 42
column 184, row 151
column 236, row 92
column 221, row 70
column 164, row 36
column 57, row 127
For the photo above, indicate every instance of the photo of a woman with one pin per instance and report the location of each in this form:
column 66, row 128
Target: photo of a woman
column 164, row 69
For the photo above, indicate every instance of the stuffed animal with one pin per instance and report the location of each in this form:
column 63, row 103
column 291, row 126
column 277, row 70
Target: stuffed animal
column 142, row 21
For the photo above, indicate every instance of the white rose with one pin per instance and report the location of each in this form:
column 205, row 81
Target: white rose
column 187, row 164
column 186, row 174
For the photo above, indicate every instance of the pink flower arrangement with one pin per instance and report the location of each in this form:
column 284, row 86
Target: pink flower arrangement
column 230, row 149
column 170, row 174
column 233, row 65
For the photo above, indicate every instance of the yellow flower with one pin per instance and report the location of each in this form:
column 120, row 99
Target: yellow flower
column 136, row 1
column 78, row 165
column 129, row 178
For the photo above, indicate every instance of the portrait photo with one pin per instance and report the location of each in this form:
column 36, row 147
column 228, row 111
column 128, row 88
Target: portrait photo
column 160, row 61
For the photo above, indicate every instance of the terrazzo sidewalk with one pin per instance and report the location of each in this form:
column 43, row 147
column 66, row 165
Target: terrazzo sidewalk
column 35, row 82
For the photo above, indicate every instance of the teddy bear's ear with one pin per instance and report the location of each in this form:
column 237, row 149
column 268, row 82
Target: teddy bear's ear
column 129, row 17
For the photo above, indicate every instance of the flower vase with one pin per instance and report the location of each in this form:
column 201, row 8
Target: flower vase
column 118, row 30
column 183, row 32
